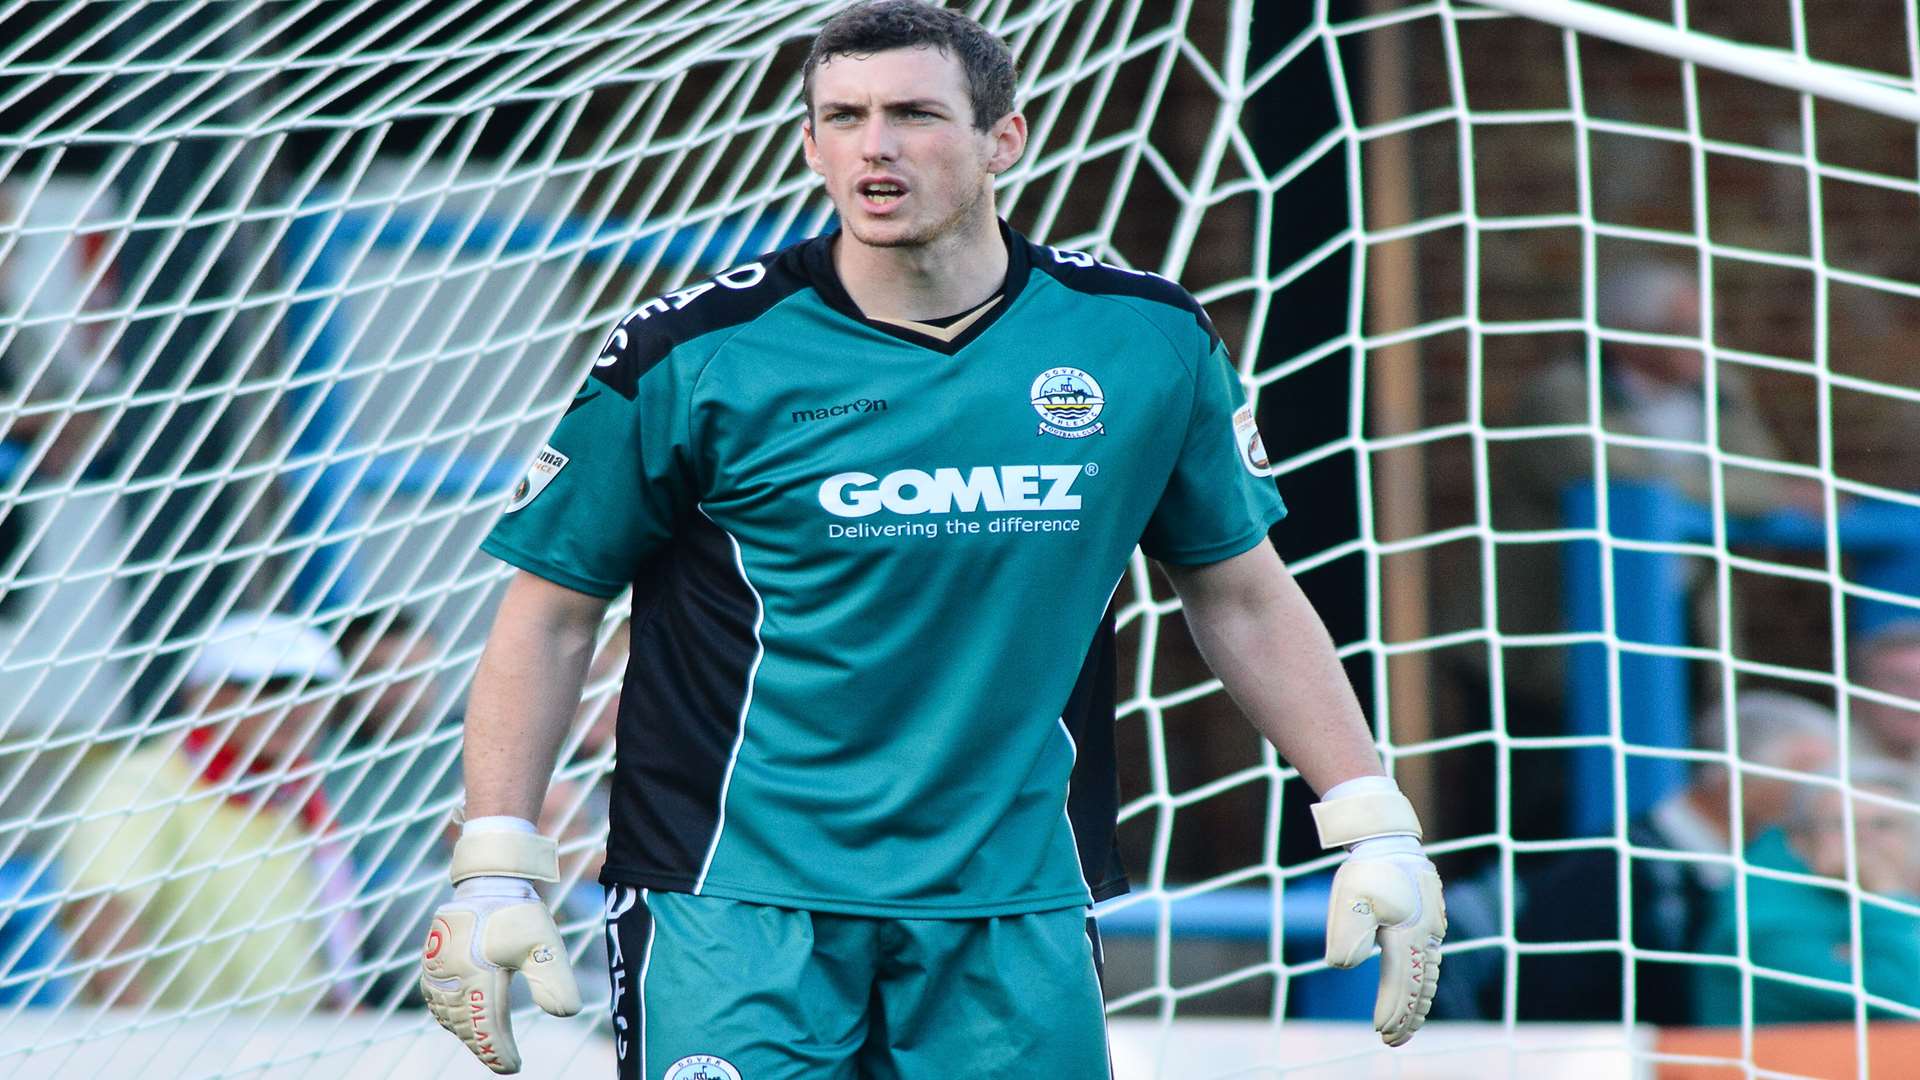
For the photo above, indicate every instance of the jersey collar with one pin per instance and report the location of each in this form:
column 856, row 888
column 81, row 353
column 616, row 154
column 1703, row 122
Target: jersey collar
column 817, row 258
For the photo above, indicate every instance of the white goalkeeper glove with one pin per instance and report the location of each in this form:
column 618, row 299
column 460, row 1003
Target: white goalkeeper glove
column 496, row 925
column 1388, row 891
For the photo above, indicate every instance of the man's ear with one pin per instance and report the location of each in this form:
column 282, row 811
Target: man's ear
column 1009, row 135
column 809, row 148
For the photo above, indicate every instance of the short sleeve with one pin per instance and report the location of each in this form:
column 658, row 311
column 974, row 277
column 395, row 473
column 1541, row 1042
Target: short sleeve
column 604, row 492
column 1220, row 499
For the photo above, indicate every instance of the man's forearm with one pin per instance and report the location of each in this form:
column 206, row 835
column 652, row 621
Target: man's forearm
column 1261, row 636
column 525, row 693
column 1273, row 654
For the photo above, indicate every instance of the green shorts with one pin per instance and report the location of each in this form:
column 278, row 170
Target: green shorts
column 713, row 989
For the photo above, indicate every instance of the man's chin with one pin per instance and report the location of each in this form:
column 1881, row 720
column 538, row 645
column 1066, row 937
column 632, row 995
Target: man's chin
column 886, row 235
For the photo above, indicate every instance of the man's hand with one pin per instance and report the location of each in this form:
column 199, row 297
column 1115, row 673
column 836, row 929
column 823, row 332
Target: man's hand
column 1388, row 891
column 495, row 925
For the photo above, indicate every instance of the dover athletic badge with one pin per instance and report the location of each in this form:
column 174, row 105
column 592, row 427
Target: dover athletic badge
column 1069, row 403
column 702, row 1067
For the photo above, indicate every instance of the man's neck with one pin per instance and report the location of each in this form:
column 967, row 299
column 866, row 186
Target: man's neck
column 951, row 275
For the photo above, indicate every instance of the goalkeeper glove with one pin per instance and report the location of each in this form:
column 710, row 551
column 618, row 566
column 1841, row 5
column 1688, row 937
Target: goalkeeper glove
column 496, row 925
column 1388, row 891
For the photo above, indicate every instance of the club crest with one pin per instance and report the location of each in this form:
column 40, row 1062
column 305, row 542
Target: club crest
column 1069, row 402
column 701, row 1067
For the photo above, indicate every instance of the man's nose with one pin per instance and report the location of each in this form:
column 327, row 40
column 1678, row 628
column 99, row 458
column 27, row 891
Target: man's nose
column 877, row 140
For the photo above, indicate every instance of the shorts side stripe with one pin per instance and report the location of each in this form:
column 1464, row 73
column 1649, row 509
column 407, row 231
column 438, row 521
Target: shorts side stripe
column 621, row 900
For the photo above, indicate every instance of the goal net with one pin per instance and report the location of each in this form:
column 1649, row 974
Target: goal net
column 1580, row 337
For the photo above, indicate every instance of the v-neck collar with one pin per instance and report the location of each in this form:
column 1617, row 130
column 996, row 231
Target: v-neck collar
column 818, row 260
column 945, row 329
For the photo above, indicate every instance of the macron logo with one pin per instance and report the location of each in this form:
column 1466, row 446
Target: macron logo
column 945, row 491
column 862, row 405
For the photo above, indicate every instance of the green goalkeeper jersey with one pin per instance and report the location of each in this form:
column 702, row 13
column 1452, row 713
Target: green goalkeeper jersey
column 871, row 669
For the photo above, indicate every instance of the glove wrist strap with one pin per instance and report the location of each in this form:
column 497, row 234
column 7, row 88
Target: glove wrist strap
column 1383, row 846
column 505, row 854
column 1354, row 818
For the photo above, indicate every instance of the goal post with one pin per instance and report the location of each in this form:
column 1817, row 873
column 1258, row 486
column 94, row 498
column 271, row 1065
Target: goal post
column 1872, row 90
column 291, row 292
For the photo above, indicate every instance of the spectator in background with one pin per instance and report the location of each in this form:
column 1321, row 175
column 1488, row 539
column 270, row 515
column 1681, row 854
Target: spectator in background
column 41, row 362
column 1573, row 897
column 1888, row 661
column 396, row 744
column 392, row 687
column 1777, row 730
column 1652, row 391
column 395, row 737
column 213, row 853
column 1658, row 391
column 395, row 778
column 1646, row 390
column 1804, row 928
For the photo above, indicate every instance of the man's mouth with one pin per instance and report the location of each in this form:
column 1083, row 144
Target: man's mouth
column 882, row 192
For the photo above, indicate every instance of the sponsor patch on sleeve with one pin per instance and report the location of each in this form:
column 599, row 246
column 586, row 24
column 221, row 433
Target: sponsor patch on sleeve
column 546, row 465
column 1246, row 436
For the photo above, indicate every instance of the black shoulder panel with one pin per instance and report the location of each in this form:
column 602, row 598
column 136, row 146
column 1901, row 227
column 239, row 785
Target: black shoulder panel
column 730, row 298
column 1081, row 272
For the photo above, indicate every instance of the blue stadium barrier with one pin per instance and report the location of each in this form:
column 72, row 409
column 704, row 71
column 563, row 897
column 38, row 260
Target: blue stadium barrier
column 1879, row 543
column 1650, row 607
column 32, row 941
column 1245, row 915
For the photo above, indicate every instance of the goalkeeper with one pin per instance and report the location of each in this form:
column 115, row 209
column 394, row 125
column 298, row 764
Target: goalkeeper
column 873, row 494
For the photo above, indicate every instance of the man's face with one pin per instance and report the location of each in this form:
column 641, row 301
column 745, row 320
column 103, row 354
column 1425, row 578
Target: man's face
column 1674, row 366
column 1766, row 800
column 893, row 135
column 268, row 724
column 1895, row 670
column 1883, row 836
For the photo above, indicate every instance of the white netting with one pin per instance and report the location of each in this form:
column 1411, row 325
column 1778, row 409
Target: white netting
column 289, row 292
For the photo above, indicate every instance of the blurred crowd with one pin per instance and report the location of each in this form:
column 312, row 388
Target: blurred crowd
column 201, row 809
column 278, row 841
column 1765, row 852
column 1788, row 822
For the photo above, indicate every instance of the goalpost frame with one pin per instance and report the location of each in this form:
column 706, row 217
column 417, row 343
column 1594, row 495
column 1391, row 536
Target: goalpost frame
column 1781, row 67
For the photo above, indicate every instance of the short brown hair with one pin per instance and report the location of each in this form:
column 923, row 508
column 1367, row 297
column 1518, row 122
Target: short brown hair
column 879, row 25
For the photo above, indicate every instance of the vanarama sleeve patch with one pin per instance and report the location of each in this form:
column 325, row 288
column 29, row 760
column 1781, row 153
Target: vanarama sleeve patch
column 1221, row 497
column 1246, row 436
column 546, row 465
